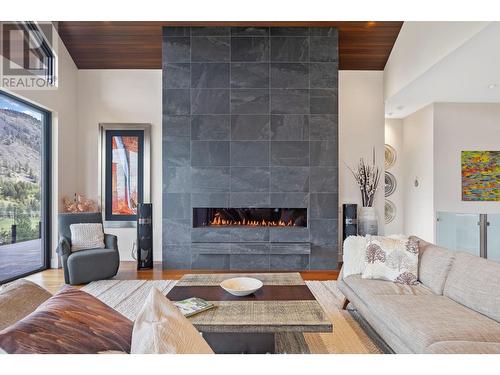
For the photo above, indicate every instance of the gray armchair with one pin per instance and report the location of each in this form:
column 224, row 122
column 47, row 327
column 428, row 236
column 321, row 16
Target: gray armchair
column 86, row 265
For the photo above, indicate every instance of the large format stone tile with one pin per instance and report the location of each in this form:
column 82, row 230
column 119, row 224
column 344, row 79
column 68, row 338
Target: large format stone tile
column 176, row 153
column 209, row 101
column 249, row 31
column 209, row 153
column 250, row 179
column 210, row 199
column 323, row 75
column 286, row 200
column 176, row 102
column 210, row 262
column 249, row 234
column 250, row 127
column 289, row 31
column 323, row 231
column 323, row 31
column 209, row 179
column 176, row 127
column 249, row 49
column 289, row 234
column 173, row 31
column 211, row 248
column 248, row 101
column 290, row 153
column 324, row 179
column 290, row 248
column 209, row 75
column 210, row 127
column 324, row 101
column 176, row 256
column 324, row 206
column 241, row 262
column 289, row 179
column 176, row 231
column 289, row 75
column 210, row 31
column 324, row 48
column 177, row 49
column 289, row 101
column 250, row 153
column 323, row 127
column 249, row 75
column 177, row 179
column 176, row 206
column 289, row 49
column 324, row 153
column 289, row 262
column 176, row 75
column 215, row 235
column 250, row 248
column 250, row 199
column 324, row 257
column 289, row 127
column 210, row 48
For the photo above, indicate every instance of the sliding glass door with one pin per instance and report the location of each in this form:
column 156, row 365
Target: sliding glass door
column 24, row 188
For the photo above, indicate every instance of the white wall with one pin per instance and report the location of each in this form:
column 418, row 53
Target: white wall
column 361, row 128
column 120, row 96
column 418, row 148
column 461, row 127
column 394, row 138
column 62, row 102
column 419, row 46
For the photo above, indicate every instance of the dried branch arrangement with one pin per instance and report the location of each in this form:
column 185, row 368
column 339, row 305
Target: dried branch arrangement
column 79, row 204
column 367, row 177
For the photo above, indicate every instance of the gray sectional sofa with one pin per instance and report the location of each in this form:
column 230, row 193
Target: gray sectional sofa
column 454, row 309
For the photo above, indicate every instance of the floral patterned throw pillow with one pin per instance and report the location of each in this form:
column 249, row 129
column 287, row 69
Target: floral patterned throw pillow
column 391, row 259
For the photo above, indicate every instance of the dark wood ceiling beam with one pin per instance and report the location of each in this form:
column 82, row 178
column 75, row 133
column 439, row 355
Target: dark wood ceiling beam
column 137, row 45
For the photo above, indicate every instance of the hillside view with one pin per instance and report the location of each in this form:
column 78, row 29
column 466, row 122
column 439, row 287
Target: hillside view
column 20, row 150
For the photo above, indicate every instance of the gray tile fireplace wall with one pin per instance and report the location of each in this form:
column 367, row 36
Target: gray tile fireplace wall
column 250, row 119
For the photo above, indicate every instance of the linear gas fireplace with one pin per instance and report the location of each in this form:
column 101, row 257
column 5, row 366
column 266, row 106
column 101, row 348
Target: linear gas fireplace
column 249, row 217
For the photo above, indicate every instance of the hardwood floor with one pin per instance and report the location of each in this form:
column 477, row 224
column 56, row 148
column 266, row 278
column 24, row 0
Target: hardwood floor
column 53, row 279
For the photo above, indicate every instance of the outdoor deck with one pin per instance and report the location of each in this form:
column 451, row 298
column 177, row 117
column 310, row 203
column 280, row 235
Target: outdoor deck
column 20, row 258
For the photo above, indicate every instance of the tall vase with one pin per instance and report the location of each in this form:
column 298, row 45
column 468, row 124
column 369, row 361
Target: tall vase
column 367, row 221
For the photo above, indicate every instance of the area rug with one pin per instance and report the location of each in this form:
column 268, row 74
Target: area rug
column 348, row 337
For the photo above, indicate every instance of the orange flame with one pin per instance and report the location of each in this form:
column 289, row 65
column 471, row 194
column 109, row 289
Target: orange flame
column 217, row 220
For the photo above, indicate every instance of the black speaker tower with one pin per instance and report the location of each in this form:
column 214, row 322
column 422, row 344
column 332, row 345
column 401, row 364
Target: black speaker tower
column 144, row 236
column 349, row 220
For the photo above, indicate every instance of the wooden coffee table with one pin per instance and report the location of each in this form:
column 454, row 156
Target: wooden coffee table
column 276, row 316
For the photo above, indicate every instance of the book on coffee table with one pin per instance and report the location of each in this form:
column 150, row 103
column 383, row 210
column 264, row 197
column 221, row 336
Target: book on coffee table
column 193, row 306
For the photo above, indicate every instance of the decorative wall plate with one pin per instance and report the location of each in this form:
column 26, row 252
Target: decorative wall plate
column 390, row 156
column 390, row 211
column 390, row 183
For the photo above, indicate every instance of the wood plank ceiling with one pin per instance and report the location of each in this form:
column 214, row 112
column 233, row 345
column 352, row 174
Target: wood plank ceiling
column 137, row 45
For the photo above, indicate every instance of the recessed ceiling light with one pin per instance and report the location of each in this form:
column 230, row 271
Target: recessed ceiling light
column 400, row 107
column 492, row 85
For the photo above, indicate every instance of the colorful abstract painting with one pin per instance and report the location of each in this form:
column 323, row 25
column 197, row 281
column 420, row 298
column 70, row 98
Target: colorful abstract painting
column 124, row 175
column 481, row 175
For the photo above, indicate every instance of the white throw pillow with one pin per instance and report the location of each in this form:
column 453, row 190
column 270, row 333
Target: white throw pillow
column 391, row 259
column 86, row 236
column 160, row 328
column 354, row 255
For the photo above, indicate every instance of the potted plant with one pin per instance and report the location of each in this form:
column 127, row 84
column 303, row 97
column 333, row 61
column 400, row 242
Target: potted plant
column 367, row 177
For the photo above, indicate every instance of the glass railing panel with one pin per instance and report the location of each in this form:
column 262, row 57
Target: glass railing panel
column 458, row 231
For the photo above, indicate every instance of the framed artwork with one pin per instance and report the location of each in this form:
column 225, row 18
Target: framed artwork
column 481, row 175
column 124, row 172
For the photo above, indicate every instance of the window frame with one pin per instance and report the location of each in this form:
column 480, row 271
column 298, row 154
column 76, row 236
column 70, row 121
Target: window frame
column 46, row 185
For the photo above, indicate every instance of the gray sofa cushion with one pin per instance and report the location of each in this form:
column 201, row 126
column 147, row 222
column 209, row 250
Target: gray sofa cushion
column 368, row 289
column 422, row 320
column 463, row 347
column 434, row 264
column 475, row 282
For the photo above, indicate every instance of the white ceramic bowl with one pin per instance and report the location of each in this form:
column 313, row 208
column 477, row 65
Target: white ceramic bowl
column 241, row 286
